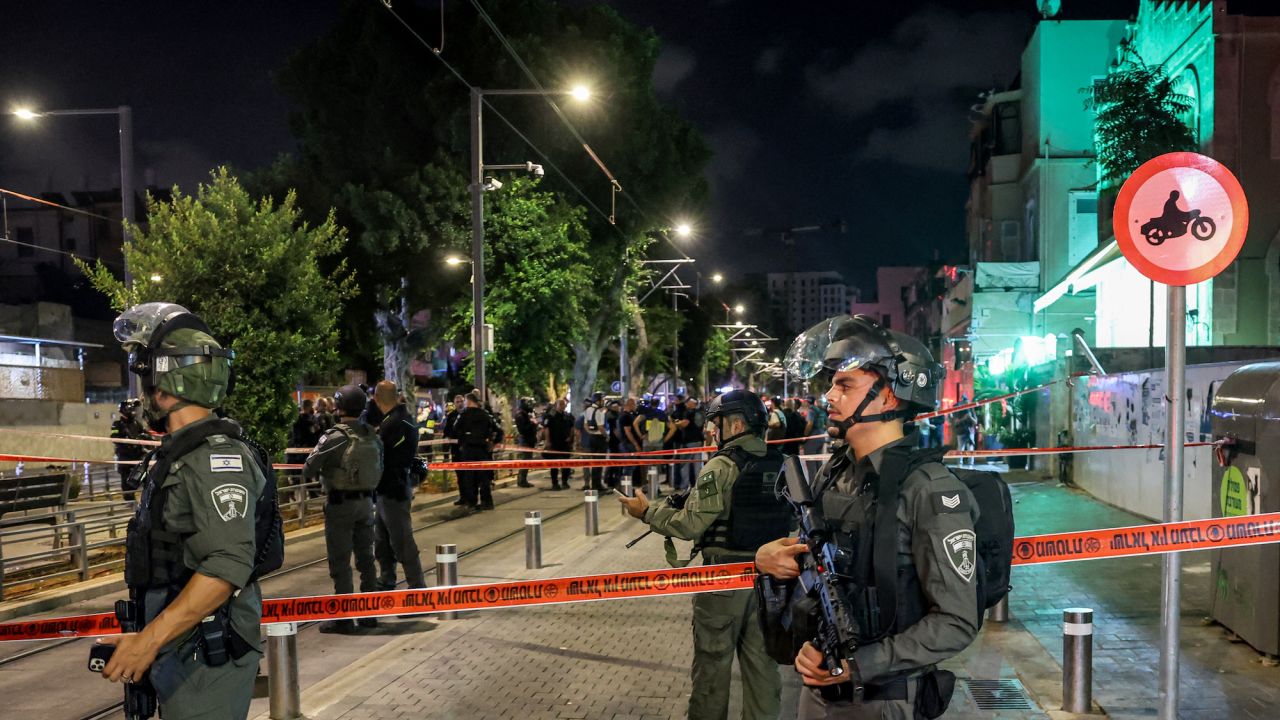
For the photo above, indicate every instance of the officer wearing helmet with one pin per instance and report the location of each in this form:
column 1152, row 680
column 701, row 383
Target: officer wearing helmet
column 904, row 523
column 731, row 510
column 191, row 553
column 348, row 461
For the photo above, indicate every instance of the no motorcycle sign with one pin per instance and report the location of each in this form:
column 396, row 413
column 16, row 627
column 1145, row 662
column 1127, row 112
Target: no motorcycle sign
column 1181, row 218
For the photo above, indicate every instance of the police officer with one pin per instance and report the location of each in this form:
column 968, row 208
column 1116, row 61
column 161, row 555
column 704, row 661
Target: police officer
column 348, row 460
column 393, row 528
column 881, row 379
column 127, row 427
column 191, row 552
column 728, row 513
column 477, row 429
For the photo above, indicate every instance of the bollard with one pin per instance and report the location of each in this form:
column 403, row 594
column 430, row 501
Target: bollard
column 591, row 503
column 532, row 540
column 1000, row 611
column 653, row 482
column 447, row 573
column 1077, row 660
column 282, row 671
column 625, row 490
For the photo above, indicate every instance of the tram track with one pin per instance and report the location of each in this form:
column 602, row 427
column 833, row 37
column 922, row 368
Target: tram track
column 117, row 707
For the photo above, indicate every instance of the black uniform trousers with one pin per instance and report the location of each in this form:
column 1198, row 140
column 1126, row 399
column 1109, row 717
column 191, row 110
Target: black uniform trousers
column 475, row 487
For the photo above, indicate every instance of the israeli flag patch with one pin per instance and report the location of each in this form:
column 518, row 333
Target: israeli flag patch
column 226, row 463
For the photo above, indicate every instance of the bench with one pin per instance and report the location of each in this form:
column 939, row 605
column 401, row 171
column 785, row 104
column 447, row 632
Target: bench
column 33, row 492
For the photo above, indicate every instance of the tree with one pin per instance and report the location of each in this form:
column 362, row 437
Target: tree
column 535, row 284
column 1139, row 116
column 372, row 107
column 251, row 270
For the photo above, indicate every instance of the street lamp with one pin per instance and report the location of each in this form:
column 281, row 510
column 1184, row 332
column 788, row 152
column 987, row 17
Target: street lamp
column 579, row 93
column 454, row 260
column 683, row 230
column 125, row 115
column 717, row 278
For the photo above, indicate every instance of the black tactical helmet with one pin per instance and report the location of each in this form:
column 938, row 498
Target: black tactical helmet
column 740, row 402
column 350, row 400
column 847, row 342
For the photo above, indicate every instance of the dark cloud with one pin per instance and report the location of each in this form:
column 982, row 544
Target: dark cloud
column 734, row 146
column 914, row 86
column 674, row 64
column 767, row 63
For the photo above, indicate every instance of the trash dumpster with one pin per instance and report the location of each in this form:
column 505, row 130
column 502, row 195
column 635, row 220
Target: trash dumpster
column 1246, row 580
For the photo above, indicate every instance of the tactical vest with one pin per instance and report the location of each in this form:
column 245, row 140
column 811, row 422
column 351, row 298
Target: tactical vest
column 153, row 555
column 360, row 469
column 884, row 589
column 756, row 514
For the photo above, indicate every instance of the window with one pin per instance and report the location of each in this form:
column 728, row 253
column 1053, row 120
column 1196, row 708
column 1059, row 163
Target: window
column 26, row 239
column 1007, row 138
column 1082, row 223
column 1009, row 235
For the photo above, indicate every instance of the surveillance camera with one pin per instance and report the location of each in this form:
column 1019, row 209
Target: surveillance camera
column 535, row 169
column 492, row 183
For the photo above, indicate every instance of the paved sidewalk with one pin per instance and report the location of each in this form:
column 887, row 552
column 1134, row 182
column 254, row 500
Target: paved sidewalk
column 630, row 659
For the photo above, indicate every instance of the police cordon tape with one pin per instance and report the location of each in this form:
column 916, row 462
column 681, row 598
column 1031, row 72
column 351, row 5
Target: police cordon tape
column 612, row 586
column 1131, row 541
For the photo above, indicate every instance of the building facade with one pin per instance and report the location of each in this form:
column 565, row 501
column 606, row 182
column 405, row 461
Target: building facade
column 804, row 299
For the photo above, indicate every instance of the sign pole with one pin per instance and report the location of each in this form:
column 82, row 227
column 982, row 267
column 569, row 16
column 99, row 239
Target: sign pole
column 1175, row 364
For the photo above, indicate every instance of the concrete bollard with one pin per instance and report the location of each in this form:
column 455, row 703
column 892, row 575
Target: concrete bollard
column 532, row 540
column 282, row 671
column 1077, row 660
column 625, row 489
column 447, row 573
column 654, row 489
column 1000, row 611
column 591, row 504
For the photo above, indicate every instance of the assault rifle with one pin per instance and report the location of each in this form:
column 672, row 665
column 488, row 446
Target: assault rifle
column 837, row 631
column 675, row 500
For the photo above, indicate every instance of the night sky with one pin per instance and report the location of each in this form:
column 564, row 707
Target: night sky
column 836, row 110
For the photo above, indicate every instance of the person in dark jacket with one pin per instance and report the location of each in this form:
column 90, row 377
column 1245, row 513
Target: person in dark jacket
column 476, row 430
column 795, row 427
column 557, row 435
column 526, row 436
column 450, row 432
column 303, row 433
column 393, row 528
column 127, row 427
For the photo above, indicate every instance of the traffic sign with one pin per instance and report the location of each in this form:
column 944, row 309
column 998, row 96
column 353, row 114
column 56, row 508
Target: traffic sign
column 616, row 386
column 1181, row 218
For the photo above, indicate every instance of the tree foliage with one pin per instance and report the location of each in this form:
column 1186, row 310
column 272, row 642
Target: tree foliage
column 1139, row 116
column 535, row 283
column 372, row 107
column 251, row 270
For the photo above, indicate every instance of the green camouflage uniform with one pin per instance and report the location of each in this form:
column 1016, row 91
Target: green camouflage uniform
column 722, row 621
column 951, row 619
column 213, row 491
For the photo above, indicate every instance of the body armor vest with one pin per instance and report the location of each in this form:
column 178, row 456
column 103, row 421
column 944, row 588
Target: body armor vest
column 360, row 468
column 153, row 554
column 874, row 549
column 756, row 514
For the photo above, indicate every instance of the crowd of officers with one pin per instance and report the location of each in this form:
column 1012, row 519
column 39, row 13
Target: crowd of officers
column 199, row 541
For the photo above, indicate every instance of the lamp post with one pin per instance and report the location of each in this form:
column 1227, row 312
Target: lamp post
column 124, row 114
column 579, row 93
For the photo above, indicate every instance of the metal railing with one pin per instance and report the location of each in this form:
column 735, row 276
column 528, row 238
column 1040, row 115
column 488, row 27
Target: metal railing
column 73, row 536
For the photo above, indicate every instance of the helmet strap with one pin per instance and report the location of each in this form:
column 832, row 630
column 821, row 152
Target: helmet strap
column 841, row 427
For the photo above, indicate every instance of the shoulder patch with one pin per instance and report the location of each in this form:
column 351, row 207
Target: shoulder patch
column 226, row 463
column 230, row 500
column 218, row 440
column 961, row 552
column 707, row 485
column 955, row 501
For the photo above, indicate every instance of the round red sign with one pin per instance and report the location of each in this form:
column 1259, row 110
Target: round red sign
column 1181, row 218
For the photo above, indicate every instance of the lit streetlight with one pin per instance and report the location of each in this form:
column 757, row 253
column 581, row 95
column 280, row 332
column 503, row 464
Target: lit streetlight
column 477, row 188
column 156, row 277
column 717, row 278
column 683, row 230
column 454, row 260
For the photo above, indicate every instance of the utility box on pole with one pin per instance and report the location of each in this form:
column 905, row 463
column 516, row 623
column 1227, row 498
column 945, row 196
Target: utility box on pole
column 1246, row 580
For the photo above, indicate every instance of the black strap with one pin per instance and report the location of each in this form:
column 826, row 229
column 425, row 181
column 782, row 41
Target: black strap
column 895, row 690
column 884, row 557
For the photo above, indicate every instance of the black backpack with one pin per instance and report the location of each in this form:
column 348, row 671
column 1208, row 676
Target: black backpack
column 994, row 529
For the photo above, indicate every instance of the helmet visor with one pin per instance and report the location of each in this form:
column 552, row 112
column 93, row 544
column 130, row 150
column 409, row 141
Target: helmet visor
column 833, row 345
column 137, row 324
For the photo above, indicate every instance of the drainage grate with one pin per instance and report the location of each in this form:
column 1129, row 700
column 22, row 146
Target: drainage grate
column 1004, row 694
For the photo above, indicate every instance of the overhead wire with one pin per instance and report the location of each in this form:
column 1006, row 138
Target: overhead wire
column 549, row 99
column 5, row 194
column 525, row 138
